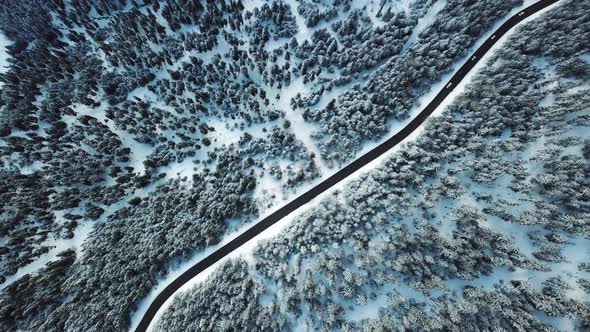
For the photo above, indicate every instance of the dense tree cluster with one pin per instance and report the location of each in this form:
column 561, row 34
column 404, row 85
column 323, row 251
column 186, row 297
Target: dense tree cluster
column 315, row 11
column 364, row 112
column 25, row 22
column 155, row 123
column 236, row 290
column 44, row 288
column 479, row 224
column 68, row 116
column 100, row 100
column 271, row 22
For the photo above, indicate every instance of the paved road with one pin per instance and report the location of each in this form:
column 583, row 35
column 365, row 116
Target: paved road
column 343, row 173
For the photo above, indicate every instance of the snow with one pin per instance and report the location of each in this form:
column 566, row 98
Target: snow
column 223, row 134
column 425, row 21
column 249, row 5
column 404, row 5
column 371, row 309
column 303, row 33
column 32, row 167
column 4, row 43
column 267, row 188
column 435, row 88
column 31, row 268
column 560, row 323
column 58, row 246
column 548, row 100
column 576, row 252
column 245, row 252
column 4, row 56
column 300, row 127
column 184, row 169
column 372, row 8
column 139, row 151
column 81, row 233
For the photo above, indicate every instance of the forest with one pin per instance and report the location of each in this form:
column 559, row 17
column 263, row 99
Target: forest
column 135, row 134
column 481, row 223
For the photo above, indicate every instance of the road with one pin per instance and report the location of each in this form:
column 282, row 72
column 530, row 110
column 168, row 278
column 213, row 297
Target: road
column 344, row 172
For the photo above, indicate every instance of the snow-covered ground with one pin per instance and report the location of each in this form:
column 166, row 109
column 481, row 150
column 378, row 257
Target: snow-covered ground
column 300, row 127
column 4, row 43
column 57, row 246
column 304, row 33
column 4, row 64
column 425, row 21
column 246, row 251
column 33, row 267
column 81, row 233
column 139, row 151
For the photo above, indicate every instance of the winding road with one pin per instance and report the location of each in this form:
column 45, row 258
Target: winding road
column 363, row 160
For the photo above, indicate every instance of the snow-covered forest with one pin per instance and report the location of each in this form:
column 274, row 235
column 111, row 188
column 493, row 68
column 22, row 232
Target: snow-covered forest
column 136, row 134
column 482, row 223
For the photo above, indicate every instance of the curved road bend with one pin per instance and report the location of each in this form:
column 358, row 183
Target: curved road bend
column 341, row 174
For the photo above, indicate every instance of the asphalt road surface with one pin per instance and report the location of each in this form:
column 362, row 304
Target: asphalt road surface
column 341, row 174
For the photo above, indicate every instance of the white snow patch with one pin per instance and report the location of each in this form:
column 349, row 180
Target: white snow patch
column 575, row 253
column 299, row 126
column 4, row 43
column 578, row 89
column 32, row 167
column 223, row 134
column 405, row 5
column 33, row 267
column 139, row 151
column 372, row 8
column 4, row 56
column 425, row 21
column 371, row 309
column 560, row 323
column 267, row 191
column 250, row 5
column 303, row 33
column 183, row 169
column 548, row 100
